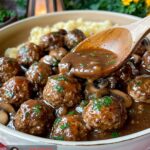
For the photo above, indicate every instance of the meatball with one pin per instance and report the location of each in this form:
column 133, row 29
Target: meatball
column 9, row 67
column 28, row 54
column 58, row 53
column 139, row 89
column 38, row 73
column 15, row 91
column 73, row 38
column 62, row 90
column 34, row 117
column 69, row 128
column 52, row 40
column 104, row 113
column 146, row 61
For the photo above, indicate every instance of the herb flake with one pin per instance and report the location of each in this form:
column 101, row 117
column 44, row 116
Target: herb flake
column 58, row 88
column 37, row 109
column 57, row 120
column 61, row 78
column 64, row 126
column 115, row 134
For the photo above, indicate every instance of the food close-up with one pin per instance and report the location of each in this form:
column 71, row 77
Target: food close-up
column 48, row 90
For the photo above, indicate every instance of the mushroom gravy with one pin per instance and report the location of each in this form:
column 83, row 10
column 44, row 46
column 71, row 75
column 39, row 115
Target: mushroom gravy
column 88, row 63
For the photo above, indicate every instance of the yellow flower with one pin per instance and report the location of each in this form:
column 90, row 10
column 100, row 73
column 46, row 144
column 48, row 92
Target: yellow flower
column 135, row 1
column 126, row 2
column 147, row 3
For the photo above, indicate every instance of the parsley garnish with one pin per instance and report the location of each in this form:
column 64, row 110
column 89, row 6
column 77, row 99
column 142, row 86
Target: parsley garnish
column 107, row 101
column 55, row 63
column 82, row 65
column 71, row 112
column 58, row 88
column 64, row 126
column 37, row 109
column 104, row 101
column 111, row 62
column 115, row 134
column 61, row 78
column 138, row 83
column 58, row 137
column 57, row 120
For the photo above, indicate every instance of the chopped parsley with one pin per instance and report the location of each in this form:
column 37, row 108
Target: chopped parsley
column 58, row 88
column 138, row 83
column 82, row 65
column 55, row 63
column 27, row 114
column 104, row 101
column 57, row 120
column 107, row 101
column 114, row 134
column 64, row 126
column 9, row 94
column 111, row 62
column 71, row 112
column 61, row 78
column 37, row 109
column 58, row 137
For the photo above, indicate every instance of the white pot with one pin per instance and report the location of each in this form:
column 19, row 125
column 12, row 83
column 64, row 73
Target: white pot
column 17, row 33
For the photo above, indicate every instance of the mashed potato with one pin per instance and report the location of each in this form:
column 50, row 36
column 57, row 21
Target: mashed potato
column 88, row 27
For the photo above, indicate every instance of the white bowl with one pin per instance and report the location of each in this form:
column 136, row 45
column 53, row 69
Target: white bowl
column 17, row 33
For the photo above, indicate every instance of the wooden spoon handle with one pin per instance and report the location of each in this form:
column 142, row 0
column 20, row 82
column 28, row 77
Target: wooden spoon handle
column 139, row 29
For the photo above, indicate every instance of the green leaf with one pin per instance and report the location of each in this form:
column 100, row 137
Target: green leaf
column 61, row 78
column 115, row 134
column 64, row 126
column 37, row 109
column 57, row 120
column 107, row 101
column 71, row 112
column 58, row 88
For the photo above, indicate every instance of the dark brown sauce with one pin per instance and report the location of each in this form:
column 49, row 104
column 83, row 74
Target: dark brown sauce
column 89, row 63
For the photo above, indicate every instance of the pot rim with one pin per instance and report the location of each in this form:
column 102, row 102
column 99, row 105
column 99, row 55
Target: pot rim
column 32, row 138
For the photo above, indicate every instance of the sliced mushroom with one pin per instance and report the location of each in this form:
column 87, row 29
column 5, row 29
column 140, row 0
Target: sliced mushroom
column 4, row 118
column 92, row 92
column 126, row 98
column 7, row 107
column 6, row 112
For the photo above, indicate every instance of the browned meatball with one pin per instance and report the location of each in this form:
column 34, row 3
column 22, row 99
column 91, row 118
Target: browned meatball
column 69, row 128
column 38, row 73
column 139, row 89
column 73, row 38
column 34, row 117
column 15, row 91
column 28, row 54
column 58, row 53
column 62, row 90
column 105, row 113
column 146, row 61
column 52, row 40
column 9, row 67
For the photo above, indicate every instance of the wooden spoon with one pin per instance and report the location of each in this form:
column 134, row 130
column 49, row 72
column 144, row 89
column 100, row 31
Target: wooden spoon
column 120, row 40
